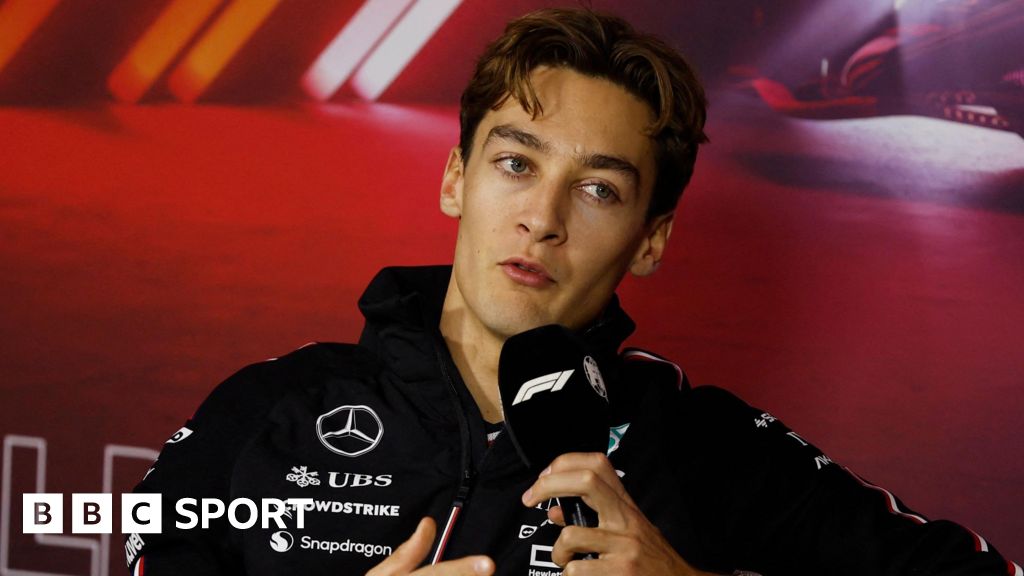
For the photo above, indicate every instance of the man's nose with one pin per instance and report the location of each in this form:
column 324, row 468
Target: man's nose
column 543, row 213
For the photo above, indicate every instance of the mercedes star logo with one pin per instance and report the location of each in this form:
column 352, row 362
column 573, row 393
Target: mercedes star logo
column 350, row 430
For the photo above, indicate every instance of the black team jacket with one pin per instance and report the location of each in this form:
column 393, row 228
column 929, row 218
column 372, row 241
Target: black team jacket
column 379, row 434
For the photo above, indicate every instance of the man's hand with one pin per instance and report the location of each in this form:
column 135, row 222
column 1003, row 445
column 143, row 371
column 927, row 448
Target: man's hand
column 625, row 540
column 411, row 553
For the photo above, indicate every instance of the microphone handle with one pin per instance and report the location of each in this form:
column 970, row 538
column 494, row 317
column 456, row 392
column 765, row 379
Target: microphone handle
column 577, row 513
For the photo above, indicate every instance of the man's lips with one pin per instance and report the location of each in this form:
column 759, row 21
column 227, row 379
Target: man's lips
column 525, row 272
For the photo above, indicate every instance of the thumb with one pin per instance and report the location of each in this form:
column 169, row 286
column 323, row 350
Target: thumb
column 408, row 556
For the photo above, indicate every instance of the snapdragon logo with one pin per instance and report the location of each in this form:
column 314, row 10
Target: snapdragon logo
column 348, row 547
column 281, row 541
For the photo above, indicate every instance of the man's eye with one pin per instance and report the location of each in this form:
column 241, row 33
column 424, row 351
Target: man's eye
column 516, row 165
column 599, row 191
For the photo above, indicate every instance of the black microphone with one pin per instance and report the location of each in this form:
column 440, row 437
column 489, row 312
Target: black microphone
column 554, row 401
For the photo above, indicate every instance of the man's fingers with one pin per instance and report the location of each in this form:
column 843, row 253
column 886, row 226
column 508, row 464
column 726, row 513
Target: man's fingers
column 583, row 482
column 625, row 540
column 588, row 568
column 413, row 551
column 595, row 461
column 410, row 553
column 588, row 485
column 468, row 566
column 574, row 539
column 555, row 515
column 640, row 551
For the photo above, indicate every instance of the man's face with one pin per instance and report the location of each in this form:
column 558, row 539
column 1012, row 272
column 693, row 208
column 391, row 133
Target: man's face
column 552, row 210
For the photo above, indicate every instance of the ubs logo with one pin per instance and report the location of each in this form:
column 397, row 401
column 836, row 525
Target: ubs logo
column 350, row 430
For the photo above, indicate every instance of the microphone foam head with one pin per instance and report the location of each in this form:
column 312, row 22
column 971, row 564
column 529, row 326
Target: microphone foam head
column 553, row 395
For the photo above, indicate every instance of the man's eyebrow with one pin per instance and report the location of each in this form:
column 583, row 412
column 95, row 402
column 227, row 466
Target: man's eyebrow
column 594, row 161
column 614, row 163
column 508, row 132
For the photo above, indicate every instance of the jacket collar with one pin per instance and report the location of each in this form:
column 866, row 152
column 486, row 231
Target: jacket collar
column 402, row 307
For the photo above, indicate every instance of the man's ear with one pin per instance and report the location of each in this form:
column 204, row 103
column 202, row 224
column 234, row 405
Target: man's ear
column 451, row 185
column 652, row 247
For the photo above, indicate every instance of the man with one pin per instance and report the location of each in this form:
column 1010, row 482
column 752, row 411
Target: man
column 578, row 136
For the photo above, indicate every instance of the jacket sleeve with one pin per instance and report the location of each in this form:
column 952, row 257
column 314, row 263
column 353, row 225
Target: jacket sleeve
column 798, row 512
column 196, row 462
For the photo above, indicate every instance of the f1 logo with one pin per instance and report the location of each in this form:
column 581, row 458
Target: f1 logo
column 553, row 382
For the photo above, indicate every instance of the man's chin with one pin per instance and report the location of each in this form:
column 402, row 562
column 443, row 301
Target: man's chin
column 509, row 326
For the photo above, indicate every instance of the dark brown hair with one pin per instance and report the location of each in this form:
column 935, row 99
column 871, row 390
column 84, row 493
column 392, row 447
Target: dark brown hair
column 602, row 46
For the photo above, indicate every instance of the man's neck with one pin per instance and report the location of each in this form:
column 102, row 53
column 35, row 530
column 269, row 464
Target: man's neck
column 475, row 351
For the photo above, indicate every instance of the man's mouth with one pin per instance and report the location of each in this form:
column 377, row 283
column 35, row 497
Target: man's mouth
column 527, row 273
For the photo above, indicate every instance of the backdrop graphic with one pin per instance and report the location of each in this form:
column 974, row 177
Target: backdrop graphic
column 189, row 186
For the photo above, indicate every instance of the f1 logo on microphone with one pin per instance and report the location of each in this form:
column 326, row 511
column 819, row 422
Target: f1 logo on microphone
column 553, row 382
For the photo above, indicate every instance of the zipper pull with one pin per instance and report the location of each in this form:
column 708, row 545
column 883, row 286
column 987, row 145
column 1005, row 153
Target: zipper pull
column 465, row 487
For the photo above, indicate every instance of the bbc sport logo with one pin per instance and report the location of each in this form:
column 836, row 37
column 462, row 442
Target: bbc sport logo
column 43, row 513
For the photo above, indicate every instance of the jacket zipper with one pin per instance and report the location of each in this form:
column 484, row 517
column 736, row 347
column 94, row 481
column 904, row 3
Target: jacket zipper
column 453, row 515
column 468, row 474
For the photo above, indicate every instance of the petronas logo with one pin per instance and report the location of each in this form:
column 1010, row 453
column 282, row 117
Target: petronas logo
column 615, row 435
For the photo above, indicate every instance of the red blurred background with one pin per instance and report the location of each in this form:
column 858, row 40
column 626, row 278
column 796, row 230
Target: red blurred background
column 189, row 186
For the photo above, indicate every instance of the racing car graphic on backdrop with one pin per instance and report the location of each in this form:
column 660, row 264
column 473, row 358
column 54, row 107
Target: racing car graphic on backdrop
column 960, row 60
